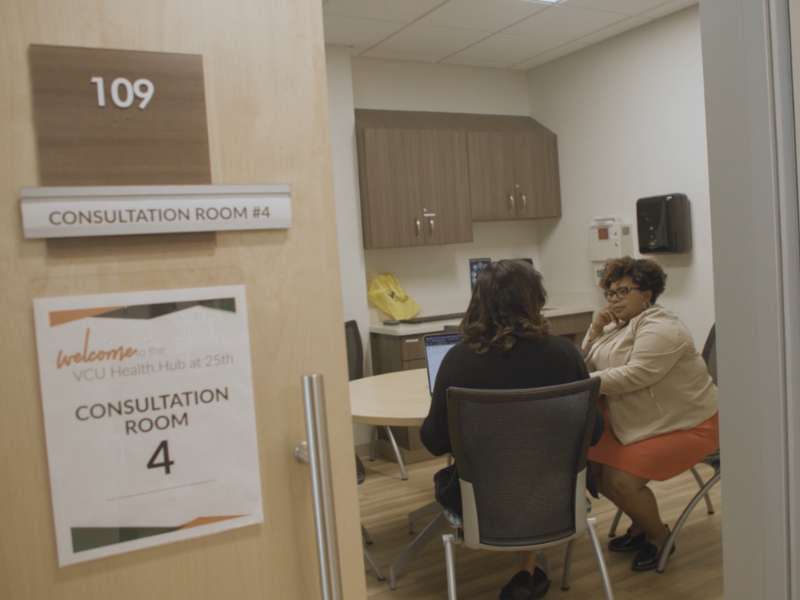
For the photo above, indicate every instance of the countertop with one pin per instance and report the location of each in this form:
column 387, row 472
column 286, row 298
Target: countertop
column 434, row 326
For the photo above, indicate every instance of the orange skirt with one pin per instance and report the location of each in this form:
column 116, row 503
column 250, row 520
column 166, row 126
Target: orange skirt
column 659, row 458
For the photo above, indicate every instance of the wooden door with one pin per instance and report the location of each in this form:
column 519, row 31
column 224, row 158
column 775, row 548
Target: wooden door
column 264, row 69
column 390, row 191
column 442, row 178
column 491, row 175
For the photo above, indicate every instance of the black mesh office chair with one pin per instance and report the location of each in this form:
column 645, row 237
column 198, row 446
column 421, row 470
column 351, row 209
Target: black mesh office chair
column 713, row 460
column 355, row 368
column 355, row 351
column 521, row 457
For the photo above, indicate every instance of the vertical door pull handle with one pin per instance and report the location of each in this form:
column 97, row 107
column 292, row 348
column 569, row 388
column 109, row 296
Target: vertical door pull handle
column 316, row 452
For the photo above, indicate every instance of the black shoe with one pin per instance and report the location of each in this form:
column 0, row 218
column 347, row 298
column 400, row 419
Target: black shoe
column 647, row 558
column 627, row 542
column 524, row 586
column 540, row 583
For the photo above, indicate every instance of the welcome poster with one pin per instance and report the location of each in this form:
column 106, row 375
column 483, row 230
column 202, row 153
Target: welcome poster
column 149, row 417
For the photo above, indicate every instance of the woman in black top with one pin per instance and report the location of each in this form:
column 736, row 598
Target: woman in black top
column 506, row 346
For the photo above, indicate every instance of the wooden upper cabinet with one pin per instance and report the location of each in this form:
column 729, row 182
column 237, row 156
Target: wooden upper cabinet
column 389, row 196
column 491, row 175
column 414, row 182
column 442, row 181
column 426, row 177
column 513, row 170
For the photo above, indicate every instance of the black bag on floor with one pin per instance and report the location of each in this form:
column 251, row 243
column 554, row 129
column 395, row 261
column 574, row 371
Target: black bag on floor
column 447, row 489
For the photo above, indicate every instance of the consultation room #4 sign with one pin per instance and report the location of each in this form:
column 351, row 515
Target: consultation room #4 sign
column 149, row 417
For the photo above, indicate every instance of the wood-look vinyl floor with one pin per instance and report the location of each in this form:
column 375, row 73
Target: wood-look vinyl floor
column 694, row 572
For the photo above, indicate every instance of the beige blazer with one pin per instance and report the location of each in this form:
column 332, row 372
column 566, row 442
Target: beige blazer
column 652, row 375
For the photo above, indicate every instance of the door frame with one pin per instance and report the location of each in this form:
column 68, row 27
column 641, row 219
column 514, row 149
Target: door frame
column 756, row 246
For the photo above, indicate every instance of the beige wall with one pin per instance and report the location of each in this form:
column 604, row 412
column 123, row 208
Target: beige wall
column 267, row 117
column 629, row 113
column 345, row 181
column 630, row 117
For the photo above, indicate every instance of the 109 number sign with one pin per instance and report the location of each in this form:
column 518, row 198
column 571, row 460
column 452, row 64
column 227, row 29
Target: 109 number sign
column 124, row 92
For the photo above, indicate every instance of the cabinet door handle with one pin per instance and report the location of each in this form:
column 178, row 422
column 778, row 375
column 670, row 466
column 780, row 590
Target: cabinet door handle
column 511, row 202
column 418, row 225
column 432, row 225
column 524, row 202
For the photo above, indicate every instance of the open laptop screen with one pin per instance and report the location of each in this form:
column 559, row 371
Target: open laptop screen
column 436, row 346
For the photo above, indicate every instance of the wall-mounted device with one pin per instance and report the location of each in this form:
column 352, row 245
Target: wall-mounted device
column 664, row 224
column 609, row 238
column 476, row 265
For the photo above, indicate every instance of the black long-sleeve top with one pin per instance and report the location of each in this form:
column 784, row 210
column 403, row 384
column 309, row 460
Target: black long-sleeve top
column 547, row 360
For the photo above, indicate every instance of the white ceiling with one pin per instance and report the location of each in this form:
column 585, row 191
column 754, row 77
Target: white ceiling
column 518, row 34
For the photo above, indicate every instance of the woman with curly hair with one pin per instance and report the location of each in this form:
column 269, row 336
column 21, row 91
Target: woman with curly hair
column 505, row 345
column 658, row 397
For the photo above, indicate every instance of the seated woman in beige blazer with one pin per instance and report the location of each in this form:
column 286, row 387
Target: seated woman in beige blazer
column 658, row 397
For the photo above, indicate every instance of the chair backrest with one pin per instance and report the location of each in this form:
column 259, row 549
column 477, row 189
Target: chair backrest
column 355, row 350
column 710, row 352
column 521, row 458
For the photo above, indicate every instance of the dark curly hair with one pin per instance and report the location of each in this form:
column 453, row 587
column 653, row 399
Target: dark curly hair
column 505, row 306
column 646, row 274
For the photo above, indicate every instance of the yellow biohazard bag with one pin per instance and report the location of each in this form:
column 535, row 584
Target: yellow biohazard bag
column 386, row 294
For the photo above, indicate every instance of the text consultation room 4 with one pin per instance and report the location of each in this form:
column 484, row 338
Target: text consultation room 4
column 147, row 405
column 145, row 215
column 135, row 210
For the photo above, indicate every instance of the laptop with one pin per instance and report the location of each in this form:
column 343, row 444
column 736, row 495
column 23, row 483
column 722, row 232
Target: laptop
column 436, row 346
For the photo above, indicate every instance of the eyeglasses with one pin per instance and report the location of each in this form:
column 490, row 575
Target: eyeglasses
column 619, row 293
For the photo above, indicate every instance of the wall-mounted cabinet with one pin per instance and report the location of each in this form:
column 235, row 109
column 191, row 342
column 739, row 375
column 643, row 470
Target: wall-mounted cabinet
column 513, row 170
column 414, row 187
column 425, row 177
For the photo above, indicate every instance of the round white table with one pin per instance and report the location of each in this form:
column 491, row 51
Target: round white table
column 399, row 399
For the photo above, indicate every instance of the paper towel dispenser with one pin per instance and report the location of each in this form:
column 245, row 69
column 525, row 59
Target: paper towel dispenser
column 664, row 224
